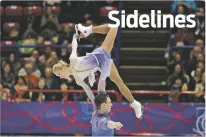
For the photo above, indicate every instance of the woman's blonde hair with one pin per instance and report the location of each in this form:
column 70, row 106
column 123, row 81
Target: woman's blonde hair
column 60, row 65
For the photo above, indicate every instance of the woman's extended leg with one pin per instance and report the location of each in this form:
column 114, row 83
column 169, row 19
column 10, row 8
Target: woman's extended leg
column 115, row 77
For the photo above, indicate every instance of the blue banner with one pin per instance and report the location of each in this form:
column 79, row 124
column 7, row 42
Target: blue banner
column 74, row 117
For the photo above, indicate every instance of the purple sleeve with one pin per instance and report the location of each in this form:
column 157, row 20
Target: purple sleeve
column 102, row 124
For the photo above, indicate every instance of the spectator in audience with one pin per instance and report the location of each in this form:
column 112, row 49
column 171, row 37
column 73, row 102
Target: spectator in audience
column 177, row 60
column 29, row 39
column 29, row 33
column 65, row 35
column 14, row 63
column 72, row 96
column 52, row 2
column 175, row 89
column 79, row 97
column 30, row 78
column 12, row 35
column 41, row 65
column 197, row 78
column 200, row 58
column 198, row 74
column 53, row 54
column 50, row 79
column 197, row 84
column 199, row 42
column 65, row 52
column 35, row 55
column 195, row 52
column 180, row 10
column 48, row 34
column 200, row 23
column 201, row 66
column 21, row 88
column 184, row 37
column 35, row 70
column 51, row 61
column 7, row 76
column 189, row 6
column 32, row 21
column 52, row 83
column 71, row 83
column 39, row 96
column 90, row 11
column 49, row 16
column 33, row 59
column 49, row 25
column 67, row 7
column 5, row 93
column 178, row 74
column 184, row 88
column 47, row 52
column 64, row 88
column 199, row 94
column 191, row 63
column 76, row 96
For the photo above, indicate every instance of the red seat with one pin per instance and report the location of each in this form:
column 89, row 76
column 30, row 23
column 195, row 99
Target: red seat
column 1, row 10
column 8, row 26
column 55, row 9
column 109, row 1
column 47, row 43
column 104, row 11
column 36, row 10
column 13, row 10
column 9, row 43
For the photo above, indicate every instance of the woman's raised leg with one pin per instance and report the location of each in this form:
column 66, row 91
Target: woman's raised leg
column 108, row 43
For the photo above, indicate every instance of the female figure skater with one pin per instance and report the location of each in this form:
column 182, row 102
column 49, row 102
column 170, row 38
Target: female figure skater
column 99, row 59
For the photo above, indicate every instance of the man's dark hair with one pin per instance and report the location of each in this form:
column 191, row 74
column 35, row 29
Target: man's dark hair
column 99, row 99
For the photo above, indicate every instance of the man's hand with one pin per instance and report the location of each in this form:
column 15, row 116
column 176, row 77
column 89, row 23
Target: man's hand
column 114, row 125
column 118, row 125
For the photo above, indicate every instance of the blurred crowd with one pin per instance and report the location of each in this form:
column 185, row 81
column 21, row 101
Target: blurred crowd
column 186, row 60
column 45, row 23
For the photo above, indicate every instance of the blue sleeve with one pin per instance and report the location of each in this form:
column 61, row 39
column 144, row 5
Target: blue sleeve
column 174, row 6
column 192, row 4
column 102, row 124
